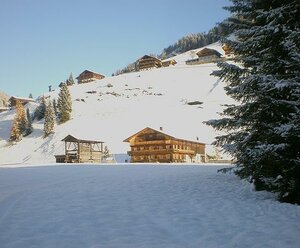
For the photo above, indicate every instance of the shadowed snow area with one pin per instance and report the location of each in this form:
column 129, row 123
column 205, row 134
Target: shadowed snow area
column 139, row 206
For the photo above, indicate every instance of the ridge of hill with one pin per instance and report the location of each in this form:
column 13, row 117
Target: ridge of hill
column 114, row 108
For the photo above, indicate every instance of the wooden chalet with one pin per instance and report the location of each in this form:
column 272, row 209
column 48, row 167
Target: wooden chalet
column 81, row 151
column 150, row 145
column 169, row 62
column 148, row 62
column 89, row 76
column 13, row 100
column 206, row 55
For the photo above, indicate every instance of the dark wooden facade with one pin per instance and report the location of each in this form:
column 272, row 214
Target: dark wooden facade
column 148, row 62
column 208, row 52
column 89, row 76
column 81, row 151
column 13, row 100
column 206, row 55
column 169, row 62
column 150, row 145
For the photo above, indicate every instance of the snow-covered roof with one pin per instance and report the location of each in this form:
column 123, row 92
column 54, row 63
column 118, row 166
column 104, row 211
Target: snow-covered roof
column 71, row 138
column 22, row 98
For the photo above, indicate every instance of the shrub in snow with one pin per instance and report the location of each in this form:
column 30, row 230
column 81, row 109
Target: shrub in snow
column 263, row 130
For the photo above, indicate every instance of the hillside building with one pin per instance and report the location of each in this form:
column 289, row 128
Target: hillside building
column 81, row 151
column 89, row 76
column 169, row 62
column 206, row 55
column 147, row 62
column 13, row 100
column 150, row 145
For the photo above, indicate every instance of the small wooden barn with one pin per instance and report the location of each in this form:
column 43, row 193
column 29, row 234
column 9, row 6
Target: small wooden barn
column 206, row 55
column 81, row 151
column 147, row 62
column 13, row 100
column 169, row 62
column 150, row 145
column 89, row 76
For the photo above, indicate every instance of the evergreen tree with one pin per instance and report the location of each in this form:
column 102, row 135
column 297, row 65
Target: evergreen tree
column 70, row 80
column 49, row 119
column 263, row 131
column 55, row 107
column 15, row 133
column 23, row 122
column 106, row 152
column 29, row 127
column 19, row 123
column 40, row 110
column 64, row 104
column 30, row 96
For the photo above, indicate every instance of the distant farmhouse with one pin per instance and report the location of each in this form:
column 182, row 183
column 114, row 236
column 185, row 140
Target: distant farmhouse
column 206, row 55
column 89, row 76
column 13, row 100
column 147, row 62
column 81, row 151
column 150, row 145
column 168, row 62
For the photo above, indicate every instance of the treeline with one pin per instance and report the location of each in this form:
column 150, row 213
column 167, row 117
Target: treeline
column 186, row 43
column 193, row 41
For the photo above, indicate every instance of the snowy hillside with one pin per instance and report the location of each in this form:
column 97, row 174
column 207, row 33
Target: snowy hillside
column 114, row 108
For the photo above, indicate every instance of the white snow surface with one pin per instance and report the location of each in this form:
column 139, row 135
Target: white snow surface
column 154, row 98
column 139, row 206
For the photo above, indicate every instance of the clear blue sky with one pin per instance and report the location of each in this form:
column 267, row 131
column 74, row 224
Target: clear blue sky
column 43, row 41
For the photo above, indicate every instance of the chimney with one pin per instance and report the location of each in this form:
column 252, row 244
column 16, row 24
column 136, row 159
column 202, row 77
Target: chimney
column 161, row 128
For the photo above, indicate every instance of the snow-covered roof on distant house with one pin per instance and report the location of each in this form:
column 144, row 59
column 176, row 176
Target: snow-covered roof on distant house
column 148, row 57
column 207, row 52
column 89, row 72
column 24, row 99
column 71, row 138
column 147, row 129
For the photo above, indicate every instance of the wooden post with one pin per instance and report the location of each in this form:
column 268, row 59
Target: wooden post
column 66, row 154
column 78, row 152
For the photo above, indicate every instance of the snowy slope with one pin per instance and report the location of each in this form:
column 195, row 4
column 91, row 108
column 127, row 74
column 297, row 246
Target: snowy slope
column 114, row 108
column 139, row 206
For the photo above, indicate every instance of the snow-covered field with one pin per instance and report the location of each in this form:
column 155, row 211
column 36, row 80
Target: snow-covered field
column 139, row 206
column 114, row 108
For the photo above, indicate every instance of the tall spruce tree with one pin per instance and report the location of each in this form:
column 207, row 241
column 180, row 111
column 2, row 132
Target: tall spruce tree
column 20, row 123
column 40, row 110
column 64, row 103
column 70, row 80
column 263, row 128
column 49, row 119
column 55, row 107
column 15, row 133
column 29, row 127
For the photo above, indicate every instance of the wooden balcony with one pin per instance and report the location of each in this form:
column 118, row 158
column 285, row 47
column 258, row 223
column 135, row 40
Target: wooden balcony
column 160, row 152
